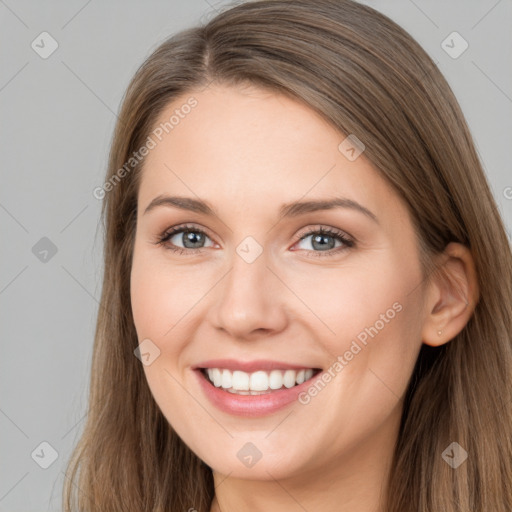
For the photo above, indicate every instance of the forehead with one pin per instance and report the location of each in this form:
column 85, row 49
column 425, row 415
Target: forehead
column 251, row 148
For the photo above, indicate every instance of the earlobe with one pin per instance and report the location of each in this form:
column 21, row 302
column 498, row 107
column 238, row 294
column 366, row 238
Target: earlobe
column 454, row 295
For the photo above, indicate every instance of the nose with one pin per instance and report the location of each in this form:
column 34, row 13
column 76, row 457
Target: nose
column 250, row 300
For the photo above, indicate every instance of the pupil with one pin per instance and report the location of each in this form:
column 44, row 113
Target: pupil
column 322, row 240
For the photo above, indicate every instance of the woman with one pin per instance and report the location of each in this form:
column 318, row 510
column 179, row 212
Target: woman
column 308, row 287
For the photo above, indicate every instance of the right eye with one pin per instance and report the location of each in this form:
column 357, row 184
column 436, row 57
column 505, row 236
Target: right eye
column 190, row 237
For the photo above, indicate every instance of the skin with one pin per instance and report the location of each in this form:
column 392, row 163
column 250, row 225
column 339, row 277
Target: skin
column 247, row 151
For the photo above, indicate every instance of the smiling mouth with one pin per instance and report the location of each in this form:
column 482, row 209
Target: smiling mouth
column 259, row 382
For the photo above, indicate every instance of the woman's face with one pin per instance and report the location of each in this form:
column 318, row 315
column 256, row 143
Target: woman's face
column 254, row 290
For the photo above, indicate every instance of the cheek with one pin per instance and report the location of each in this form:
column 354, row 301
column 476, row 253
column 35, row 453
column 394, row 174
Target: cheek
column 161, row 295
column 366, row 314
column 160, row 302
column 341, row 302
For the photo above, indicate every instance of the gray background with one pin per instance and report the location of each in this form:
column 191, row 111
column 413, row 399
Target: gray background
column 58, row 115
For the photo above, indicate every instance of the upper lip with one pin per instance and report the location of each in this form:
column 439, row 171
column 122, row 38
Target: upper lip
column 250, row 366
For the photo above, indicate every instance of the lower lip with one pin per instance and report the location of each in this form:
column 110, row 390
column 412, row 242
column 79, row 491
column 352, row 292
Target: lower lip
column 251, row 405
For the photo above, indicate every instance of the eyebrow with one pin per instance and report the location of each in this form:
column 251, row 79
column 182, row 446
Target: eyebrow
column 293, row 209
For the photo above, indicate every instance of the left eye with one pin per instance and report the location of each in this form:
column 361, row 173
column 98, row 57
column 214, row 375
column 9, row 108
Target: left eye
column 323, row 240
column 191, row 238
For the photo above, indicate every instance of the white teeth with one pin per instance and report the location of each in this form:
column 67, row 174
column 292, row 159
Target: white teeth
column 257, row 382
column 276, row 379
column 217, row 377
column 289, row 378
column 226, row 379
column 240, row 381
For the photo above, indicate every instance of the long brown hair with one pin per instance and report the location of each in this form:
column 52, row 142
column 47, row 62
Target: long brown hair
column 367, row 77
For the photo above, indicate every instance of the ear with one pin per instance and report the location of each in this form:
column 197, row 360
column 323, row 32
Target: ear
column 452, row 296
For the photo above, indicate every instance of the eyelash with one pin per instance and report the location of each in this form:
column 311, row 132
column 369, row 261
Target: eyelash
column 167, row 235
